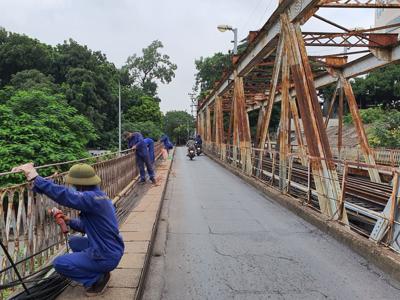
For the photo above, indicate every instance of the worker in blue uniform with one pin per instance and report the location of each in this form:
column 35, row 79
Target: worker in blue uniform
column 150, row 147
column 136, row 141
column 99, row 252
column 166, row 142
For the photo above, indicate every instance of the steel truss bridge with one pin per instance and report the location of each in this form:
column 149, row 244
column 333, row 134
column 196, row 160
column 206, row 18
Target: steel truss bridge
column 276, row 67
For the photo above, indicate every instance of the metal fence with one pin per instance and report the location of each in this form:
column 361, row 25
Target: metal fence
column 372, row 208
column 30, row 233
column 383, row 156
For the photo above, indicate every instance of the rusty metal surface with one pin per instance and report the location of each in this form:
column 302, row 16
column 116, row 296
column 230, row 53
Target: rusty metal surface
column 349, row 39
column 360, row 3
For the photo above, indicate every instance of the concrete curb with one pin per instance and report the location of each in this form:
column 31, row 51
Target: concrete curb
column 385, row 259
column 143, row 275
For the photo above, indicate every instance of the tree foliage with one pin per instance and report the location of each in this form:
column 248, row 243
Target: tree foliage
column 40, row 127
column 150, row 68
column 178, row 125
column 20, row 52
column 145, row 110
column 57, row 101
column 146, row 128
column 209, row 70
column 380, row 87
column 384, row 126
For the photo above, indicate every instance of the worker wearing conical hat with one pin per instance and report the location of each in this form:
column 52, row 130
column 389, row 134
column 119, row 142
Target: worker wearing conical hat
column 99, row 252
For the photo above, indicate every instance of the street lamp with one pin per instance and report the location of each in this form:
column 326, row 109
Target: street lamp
column 224, row 28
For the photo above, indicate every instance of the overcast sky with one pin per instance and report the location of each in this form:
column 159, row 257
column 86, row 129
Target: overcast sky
column 187, row 29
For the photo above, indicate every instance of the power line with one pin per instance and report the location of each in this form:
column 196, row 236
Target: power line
column 265, row 11
column 251, row 14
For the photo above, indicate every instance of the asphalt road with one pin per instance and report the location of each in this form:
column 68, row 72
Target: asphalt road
column 219, row 238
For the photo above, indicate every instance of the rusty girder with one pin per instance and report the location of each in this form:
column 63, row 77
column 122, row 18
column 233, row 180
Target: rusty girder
column 349, row 39
column 359, row 3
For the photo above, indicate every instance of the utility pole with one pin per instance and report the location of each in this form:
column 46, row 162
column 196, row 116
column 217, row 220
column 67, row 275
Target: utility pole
column 119, row 117
column 235, row 41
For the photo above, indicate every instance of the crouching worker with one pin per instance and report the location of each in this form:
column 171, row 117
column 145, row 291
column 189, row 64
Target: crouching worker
column 97, row 254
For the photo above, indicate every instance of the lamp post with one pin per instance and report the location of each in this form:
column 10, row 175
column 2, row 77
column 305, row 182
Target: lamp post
column 224, row 28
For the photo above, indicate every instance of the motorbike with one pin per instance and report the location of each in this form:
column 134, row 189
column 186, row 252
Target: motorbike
column 191, row 153
column 199, row 150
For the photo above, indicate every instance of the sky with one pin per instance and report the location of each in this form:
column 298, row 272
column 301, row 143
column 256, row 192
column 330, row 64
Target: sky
column 187, row 28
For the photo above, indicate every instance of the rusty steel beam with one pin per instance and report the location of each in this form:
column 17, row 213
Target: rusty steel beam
column 349, row 39
column 208, row 125
column 299, row 136
column 284, row 123
column 357, row 67
column 242, row 124
column 359, row 4
column 324, row 172
column 266, row 118
column 340, row 127
column 219, row 129
column 264, row 43
column 331, row 105
column 362, row 136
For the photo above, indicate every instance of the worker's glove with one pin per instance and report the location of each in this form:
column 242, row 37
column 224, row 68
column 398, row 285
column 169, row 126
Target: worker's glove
column 60, row 219
column 28, row 169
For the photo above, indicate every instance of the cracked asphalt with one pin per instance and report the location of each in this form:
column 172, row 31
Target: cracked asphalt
column 219, row 238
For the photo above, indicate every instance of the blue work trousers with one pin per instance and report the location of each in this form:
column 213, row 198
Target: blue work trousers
column 80, row 266
column 141, row 161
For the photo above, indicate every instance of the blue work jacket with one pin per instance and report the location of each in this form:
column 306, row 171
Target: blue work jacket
column 167, row 143
column 137, row 140
column 150, row 146
column 97, row 218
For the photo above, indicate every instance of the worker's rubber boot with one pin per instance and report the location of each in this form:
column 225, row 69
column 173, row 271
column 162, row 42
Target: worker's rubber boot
column 99, row 287
column 142, row 181
column 153, row 180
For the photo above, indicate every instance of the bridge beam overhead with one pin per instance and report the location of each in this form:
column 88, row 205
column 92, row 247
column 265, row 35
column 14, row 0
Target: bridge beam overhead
column 276, row 67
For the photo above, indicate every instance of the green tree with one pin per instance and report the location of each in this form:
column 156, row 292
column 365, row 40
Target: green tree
column 43, row 128
column 145, row 110
column 32, row 79
column 28, row 80
column 380, row 87
column 90, row 84
column 146, row 128
column 150, row 68
column 383, row 126
column 178, row 124
column 20, row 52
column 209, row 70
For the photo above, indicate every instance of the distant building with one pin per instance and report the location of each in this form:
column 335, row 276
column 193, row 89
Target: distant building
column 387, row 16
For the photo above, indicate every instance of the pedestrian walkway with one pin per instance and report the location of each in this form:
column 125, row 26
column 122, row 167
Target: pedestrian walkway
column 137, row 232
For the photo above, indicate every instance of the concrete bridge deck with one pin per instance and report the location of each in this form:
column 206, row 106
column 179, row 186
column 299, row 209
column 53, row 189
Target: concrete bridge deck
column 220, row 238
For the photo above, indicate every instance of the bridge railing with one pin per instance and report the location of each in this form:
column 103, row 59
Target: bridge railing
column 383, row 156
column 360, row 198
column 27, row 230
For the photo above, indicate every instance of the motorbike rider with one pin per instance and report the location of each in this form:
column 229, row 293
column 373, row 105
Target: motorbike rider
column 198, row 140
column 199, row 144
column 191, row 145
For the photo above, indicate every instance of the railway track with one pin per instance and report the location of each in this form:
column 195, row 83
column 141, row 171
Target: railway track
column 364, row 199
